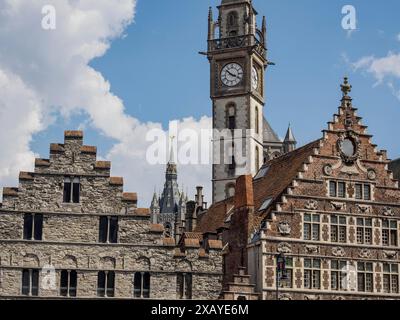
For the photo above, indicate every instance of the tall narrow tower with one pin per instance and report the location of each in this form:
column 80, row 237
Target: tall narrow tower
column 238, row 59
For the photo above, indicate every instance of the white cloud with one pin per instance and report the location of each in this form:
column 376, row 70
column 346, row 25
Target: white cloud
column 384, row 70
column 43, row 72
column 398, row 37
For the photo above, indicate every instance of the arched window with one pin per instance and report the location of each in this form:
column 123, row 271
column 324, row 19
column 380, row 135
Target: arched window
column 233, row 19
column 168, row 230
column 231, row 116
column 141, row 285
column 257, row 121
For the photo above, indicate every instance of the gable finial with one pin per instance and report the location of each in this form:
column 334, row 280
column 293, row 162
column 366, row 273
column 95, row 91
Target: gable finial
column 346, row 87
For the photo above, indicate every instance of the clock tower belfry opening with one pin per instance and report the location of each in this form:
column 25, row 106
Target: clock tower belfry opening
column 237, row 52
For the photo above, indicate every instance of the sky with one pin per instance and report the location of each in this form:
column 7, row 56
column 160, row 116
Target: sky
column 117, row 69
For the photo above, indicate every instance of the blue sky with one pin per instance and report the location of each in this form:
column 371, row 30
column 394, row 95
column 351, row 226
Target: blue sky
column 155, row 69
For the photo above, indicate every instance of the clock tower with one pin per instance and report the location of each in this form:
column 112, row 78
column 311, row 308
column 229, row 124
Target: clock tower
column 238, row 59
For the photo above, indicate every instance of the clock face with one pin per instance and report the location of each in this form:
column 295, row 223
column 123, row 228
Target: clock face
column 232, row 74
column 254, row 78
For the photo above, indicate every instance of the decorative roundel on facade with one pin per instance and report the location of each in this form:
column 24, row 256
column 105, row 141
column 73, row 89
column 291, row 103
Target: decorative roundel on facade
column 349, row 147
column 328, row 169
column 371, row 174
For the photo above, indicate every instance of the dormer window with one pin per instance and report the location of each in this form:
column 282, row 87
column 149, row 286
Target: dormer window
column 71, row 190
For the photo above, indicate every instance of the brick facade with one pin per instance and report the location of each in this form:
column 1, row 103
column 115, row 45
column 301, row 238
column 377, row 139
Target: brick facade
column 331, row 208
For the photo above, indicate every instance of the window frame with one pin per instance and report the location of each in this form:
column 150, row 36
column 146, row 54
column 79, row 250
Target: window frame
column 338, row 226
column 107, row 279
column 313, row 226
column 313, row 273
column 184, row 285
column 365, row 273
column 70, row 290
column 72, row 189
column 108, row 229
column 30, row 275
column 33, row 227
column 141, row 285
column 361, row 231
column 392, row 233
column 392, row 276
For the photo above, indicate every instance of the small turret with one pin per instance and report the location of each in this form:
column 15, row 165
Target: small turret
column 264, row 31
column 155, row 208
column 210, row 25
column 289, row 144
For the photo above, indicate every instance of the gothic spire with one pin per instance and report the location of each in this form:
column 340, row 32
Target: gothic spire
column 289, row 144
column 155, row 201
column 289, row 135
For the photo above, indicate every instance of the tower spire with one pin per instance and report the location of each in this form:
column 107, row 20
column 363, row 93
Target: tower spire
column 289, row 144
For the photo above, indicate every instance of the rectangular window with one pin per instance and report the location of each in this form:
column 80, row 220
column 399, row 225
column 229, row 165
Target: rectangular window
column 359, row 188
column 71, row 191
column 364, row 230
column 338, row 229
column 184, row 286
column 33, row 226
column 105, row 284
column 141, row 285
column 390, row 278
column 312, row 273
column 332, row 189
column 338, row 275
column 108, row 229
column 311, row 227
column 30, row 282
column 286, row 279
column 365, row 277
column 389, row 232
column 68, row 283
column 341, row 190
column 231, row 122
column 367, row 192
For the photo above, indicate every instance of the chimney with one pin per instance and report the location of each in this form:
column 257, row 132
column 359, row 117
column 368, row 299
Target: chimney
column 244, row 192
column 199, row 196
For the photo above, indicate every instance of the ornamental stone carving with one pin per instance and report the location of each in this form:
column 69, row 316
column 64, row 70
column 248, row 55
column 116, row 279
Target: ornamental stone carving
column 312, row 249
column 285, row 296
column 371, row 174
column 365, row 253
column 349, row 147
column 338, row 205
column 328, row 170
column 387, row 211
column 311, row 205
column 284, row 247
column 364, row 208
column 390, row 254
column 284, row 228
column 311, row 297
column 338, row 252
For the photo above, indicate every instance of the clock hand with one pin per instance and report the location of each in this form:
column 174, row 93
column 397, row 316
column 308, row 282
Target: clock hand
column 233, row 75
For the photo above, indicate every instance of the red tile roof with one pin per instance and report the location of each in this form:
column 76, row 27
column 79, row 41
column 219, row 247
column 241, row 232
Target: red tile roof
column 280, row 174
column 214, row 217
